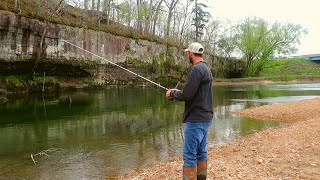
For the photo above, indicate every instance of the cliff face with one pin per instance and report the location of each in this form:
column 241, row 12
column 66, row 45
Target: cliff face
column 30, row 40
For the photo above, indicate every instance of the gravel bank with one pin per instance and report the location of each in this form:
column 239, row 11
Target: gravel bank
column 287, row 152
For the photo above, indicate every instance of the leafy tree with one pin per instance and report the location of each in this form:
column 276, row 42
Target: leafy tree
column 258, row 41
column 201, row 17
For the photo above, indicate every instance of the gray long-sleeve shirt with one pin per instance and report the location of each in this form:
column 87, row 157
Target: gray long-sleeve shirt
column 197, row 94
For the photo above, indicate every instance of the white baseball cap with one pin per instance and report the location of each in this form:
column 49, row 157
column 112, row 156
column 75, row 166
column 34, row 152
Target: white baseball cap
column 195, row 48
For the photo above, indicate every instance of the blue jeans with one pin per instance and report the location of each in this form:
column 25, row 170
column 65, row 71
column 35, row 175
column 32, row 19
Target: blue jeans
column 195, row 142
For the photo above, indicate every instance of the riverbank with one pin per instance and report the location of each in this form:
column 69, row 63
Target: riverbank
column 291, row 151
column 19, row 84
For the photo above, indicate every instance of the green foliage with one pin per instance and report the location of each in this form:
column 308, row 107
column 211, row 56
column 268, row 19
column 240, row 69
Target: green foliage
column 158, row 64
column 136, row 63
column 284, row 70
column 200, row 18
column 49, row 83
column 47, row 80
column 14, row 81
column 168, row 81
column 291, row 67
column 227, row 67
column 258, row 41
column 88, row 80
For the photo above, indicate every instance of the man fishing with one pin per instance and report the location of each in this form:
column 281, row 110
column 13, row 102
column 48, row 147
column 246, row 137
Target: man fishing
column 198, row 113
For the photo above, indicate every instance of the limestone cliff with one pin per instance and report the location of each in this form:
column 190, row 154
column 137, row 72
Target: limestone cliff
column 29, row 42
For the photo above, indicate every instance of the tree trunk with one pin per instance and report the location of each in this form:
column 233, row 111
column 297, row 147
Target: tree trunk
column 148, row 17
column 86, row 4
column 106, row 9
column 170, row 13
column 15, row 5
column 98, row 11
column 155, row 17
column 168, row 24
column 184, row 20
column 98, row 6
column 41, row 50
column 93, row 5
column 139, row 23
column 196, row 21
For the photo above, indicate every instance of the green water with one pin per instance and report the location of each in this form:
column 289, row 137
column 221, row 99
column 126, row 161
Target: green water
column 106, row 133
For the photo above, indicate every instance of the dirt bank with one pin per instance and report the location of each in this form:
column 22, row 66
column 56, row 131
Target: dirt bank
column 288, row 152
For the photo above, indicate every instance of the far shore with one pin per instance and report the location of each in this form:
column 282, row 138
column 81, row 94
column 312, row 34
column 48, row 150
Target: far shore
column 245, row 81
column 78, row 85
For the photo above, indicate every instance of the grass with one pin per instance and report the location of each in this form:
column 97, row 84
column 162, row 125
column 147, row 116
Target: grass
column 283, row 70
column 291, row 67
column 14, row 81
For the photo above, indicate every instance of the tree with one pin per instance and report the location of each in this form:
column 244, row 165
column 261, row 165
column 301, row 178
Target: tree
column 156, row 16
column 125, row 13
column 257, row 41
column 200, row 18
column 93, row 5
column 211, row 36
column 86, row 4
column 107, row 9
column 186, row 13
column 171, row 7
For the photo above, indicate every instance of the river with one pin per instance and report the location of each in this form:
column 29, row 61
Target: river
column 100, row 134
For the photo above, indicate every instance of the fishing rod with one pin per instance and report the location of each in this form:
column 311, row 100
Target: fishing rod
column 117, row 65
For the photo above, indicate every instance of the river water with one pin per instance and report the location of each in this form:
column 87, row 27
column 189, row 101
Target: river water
column 106, row 133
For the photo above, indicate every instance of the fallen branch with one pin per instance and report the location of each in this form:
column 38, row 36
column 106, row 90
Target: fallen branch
column 45, row 153
column 70, row 101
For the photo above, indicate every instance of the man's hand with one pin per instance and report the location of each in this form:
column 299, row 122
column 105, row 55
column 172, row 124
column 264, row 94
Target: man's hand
column 168, row 96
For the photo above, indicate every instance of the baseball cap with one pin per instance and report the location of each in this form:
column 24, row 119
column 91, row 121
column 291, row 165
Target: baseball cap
column 195, row 48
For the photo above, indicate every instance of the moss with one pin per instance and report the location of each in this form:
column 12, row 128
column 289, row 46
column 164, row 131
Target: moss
column 136, row 63
column 167, row 81
column 49, row 83
column 14, row 81
column 89, row 81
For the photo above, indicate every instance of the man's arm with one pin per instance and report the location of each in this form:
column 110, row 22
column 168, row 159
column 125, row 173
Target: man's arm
column 190, row 88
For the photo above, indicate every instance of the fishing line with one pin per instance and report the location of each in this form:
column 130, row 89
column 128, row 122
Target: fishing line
column 117, row 65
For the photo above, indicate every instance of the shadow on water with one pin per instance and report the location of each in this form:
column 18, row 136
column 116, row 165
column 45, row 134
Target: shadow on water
column 107, row 133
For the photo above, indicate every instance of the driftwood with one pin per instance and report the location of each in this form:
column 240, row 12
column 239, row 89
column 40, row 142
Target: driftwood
column 70, row 101
column 42, row 49
column 45, row 153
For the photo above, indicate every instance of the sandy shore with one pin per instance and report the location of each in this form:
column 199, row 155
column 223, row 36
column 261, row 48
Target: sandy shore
column 288, row 152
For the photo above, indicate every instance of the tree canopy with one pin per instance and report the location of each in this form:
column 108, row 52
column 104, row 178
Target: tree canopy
column 258, row 41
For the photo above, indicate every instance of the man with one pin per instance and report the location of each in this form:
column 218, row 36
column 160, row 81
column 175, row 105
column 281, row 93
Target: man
column 198, row 113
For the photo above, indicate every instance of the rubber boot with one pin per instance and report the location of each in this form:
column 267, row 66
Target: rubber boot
column 201, row 170
column 189, row 173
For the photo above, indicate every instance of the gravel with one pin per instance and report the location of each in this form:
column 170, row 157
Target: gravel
column 291, row 151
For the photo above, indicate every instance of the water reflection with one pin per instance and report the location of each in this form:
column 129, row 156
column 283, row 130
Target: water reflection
column 106, row 133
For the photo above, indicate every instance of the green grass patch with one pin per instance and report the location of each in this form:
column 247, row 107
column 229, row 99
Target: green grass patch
column 290, row 68
column 46, row 80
